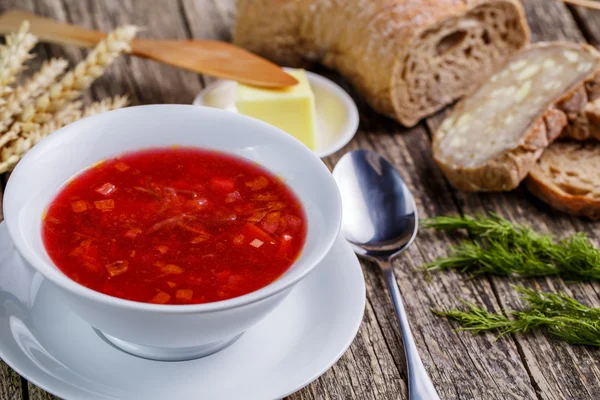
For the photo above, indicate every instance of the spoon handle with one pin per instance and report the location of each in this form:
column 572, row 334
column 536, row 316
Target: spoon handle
column 420, row 386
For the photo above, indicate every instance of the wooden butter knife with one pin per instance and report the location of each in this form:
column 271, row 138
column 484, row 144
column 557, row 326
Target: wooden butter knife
column 210, row 57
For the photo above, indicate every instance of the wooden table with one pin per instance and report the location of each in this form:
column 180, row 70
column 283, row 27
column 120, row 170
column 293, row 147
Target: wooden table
column 532, row 366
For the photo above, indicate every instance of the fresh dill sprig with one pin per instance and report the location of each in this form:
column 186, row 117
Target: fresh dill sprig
column 491, row 225
column 501, row 248
column 556, row 304
column 495, row 258
column 476, row 319
column 559, row 314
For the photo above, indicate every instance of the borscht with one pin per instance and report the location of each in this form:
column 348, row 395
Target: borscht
column 174, row 226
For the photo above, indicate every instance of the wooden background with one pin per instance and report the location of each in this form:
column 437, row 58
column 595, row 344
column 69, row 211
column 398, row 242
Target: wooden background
column 462, row 366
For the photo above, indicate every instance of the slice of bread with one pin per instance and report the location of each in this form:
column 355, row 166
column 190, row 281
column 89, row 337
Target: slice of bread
column 567, row 177
column 494, row 136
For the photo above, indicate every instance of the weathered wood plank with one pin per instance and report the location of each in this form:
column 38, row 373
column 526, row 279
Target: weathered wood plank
column 588, row 23
column 558, row 371
column 209, row 19
column 35, row 393
column 10, row 383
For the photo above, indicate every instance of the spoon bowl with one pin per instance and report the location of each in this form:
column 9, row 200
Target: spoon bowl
column 380, row 218
column 380, row 222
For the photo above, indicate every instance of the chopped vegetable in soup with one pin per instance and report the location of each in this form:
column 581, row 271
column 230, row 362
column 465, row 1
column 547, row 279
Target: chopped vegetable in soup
column 174, row 226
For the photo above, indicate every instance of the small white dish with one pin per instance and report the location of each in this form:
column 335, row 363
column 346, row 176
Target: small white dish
column 44, row 341
column 169, row 332
column 336, row 112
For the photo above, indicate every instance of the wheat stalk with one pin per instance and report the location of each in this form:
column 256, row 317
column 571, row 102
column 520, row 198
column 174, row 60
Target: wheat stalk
column 12, row 56
column 15, row 129
column 32, row 133
column 40, row 112
column 111, row 103
column 32, row 88
column 74, row 82
column 43, row 105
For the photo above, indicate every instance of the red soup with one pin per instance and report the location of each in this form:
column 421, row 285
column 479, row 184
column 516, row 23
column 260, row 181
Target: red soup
column 174, row 226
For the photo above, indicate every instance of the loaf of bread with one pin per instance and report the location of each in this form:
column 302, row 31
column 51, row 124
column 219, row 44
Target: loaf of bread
column 567, row 177
column 408, row 58
column 494, row 136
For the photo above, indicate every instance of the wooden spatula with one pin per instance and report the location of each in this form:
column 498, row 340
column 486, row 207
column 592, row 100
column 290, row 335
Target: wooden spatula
column 218, row 59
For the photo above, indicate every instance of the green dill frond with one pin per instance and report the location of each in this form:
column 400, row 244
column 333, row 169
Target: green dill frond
column 575, row 330
column 558, row 314
column 480, row 225
column 556, row 304
column 501, row 248
column 475, row 319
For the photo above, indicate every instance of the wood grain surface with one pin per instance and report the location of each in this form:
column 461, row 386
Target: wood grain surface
column 462, row 366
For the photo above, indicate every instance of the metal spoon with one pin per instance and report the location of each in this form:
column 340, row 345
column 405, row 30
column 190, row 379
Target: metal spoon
column 380, row 222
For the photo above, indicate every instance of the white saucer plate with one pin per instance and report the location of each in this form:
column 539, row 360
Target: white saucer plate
column 336, row 112
column 53, row 348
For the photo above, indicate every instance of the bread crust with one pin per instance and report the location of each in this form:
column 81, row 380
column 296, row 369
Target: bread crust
column 506, row 171
column 585, row 124
column 541, row 183
column 380, row 45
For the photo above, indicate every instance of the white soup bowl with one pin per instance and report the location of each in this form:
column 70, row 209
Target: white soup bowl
column 169, row 332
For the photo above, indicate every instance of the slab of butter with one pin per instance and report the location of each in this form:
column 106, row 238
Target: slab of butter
column 291, row 109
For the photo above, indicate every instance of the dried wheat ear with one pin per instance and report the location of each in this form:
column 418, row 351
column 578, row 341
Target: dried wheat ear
column 47, row 100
